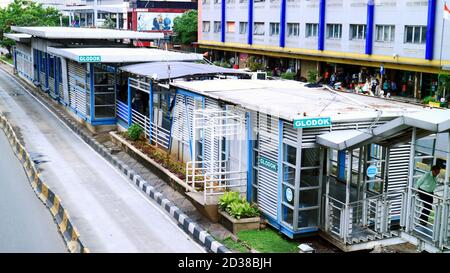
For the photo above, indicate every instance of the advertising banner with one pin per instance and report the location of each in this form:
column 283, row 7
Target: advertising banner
column 156, row 21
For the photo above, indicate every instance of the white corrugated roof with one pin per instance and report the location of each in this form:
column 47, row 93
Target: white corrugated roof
column 291, row 99
column 124, row 55
column 19, row 37
column 86, row 33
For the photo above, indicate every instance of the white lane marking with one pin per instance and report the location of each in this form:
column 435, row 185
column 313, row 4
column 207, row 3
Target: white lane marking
column 115, row 169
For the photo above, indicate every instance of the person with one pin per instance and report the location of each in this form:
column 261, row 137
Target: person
column 332, row 79
column 386, row 86
column 426, row 186
column 393, row 87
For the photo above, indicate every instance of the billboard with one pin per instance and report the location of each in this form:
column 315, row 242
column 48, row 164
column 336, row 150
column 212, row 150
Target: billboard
column 156, row 21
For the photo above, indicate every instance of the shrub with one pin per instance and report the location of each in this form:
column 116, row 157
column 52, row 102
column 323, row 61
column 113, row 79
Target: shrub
column 312, row 76
column 135, row 131
column 236, row 206
column 227, row 198
column 428, row 99
column 288, row 75
column 240, row 210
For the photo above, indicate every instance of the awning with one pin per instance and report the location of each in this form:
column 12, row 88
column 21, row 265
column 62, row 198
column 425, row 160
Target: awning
column 19, row 37
column 173, row 70
column 122, row 55
column 86, row 33
column 393, row 132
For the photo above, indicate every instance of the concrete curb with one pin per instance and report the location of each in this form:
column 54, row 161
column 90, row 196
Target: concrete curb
column 188, row 225
column 44, row 193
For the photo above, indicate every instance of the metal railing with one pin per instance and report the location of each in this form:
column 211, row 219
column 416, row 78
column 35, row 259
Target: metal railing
column 159, row 136
column 122, row 110
column 198, row 179
column 142, row 120
column 430, row 220
column 366, row 219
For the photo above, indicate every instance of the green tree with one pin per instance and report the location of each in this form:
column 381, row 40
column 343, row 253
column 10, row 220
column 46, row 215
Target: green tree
column 25, row 13
column 185, row 27
column 443, row 85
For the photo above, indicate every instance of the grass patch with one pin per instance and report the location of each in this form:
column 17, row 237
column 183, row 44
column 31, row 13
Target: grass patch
column 8, row 60
column 268, row 241
column 236, row 246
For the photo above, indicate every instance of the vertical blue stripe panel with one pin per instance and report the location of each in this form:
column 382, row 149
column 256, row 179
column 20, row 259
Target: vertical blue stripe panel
column 341, row 165
column 224, row 23
column 47, row 68
column 321, row 44
column 250, row 22
column 249, row 157
column 280, row 167
column 430, row 29
column 150, row 107
column 283, row 23
column 369, row 26
column 129, row 103
column 92, row 89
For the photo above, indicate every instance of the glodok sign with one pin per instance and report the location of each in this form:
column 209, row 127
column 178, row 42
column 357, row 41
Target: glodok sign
column 312, row 122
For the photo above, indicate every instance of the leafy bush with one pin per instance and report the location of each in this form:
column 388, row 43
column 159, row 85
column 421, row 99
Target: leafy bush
column 254, row 64
column 135, row 131
column 312, row 76
column 236, row 206
column 227, row 198
column 240, row 210
column 288, row 75
column 428, row 99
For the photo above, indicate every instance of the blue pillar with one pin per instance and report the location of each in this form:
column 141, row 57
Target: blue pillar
column 249, row 157
column 224, row 23
column 129, row 103
column 47, row 68
column 38, row 58
column 15, row 59
column 321, row 44
column 283, row 23
column 431, row 23
column 341, row 165
column 150, row 110
column 92, row 89
column 250, row 23
column 369, row 26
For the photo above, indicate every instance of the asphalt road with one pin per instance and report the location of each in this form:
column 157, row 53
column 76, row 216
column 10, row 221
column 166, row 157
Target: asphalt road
column 110, row 213
column 25, row 223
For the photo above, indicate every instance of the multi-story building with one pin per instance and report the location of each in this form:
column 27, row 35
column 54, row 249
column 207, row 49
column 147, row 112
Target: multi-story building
column 349, row 36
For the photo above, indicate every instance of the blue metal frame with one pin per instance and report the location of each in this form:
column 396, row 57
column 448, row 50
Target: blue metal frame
column 431, row 25
column 129, row 103
column 341, row 165
column 321, row 41
column 280, row 169
column 15, row 59
column 47, row 70
column 283, row 23
column 250, row 23
column 150, row 110
column 223, row 13
column 92, row 93
column 249, row 157
column 369, row 26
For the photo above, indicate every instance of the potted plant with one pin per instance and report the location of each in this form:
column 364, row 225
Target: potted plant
column 237, row 214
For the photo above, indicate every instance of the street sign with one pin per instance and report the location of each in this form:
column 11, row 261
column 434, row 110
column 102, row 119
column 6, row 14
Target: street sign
column 89, row 59
column 381, row 70
column 289, row 195
column 312, row 122
column 268, row 164
column 372, row 171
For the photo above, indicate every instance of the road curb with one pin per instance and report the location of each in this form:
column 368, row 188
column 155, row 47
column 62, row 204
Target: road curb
column 44, row 193
column 187, row 224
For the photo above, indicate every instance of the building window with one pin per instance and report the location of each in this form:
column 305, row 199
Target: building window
column 274, row 29
column 231, row 1
column 415, row 34
column 293, row 29
column 357, row 32
column 312, row 30
column 206, row 2
column 243, row 27
column 206, row 26
column 259, row 1
column 334, row 31
column 217, row 1
column 217, row 26
column 385, row 33
column 231, row 27
column 258, row 29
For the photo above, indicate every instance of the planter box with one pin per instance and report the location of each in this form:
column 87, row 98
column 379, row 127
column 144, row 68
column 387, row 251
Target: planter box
column 234, row 225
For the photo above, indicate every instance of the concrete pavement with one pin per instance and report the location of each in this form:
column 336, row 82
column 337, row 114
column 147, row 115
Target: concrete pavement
column 110, row 214
column 25, row 223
